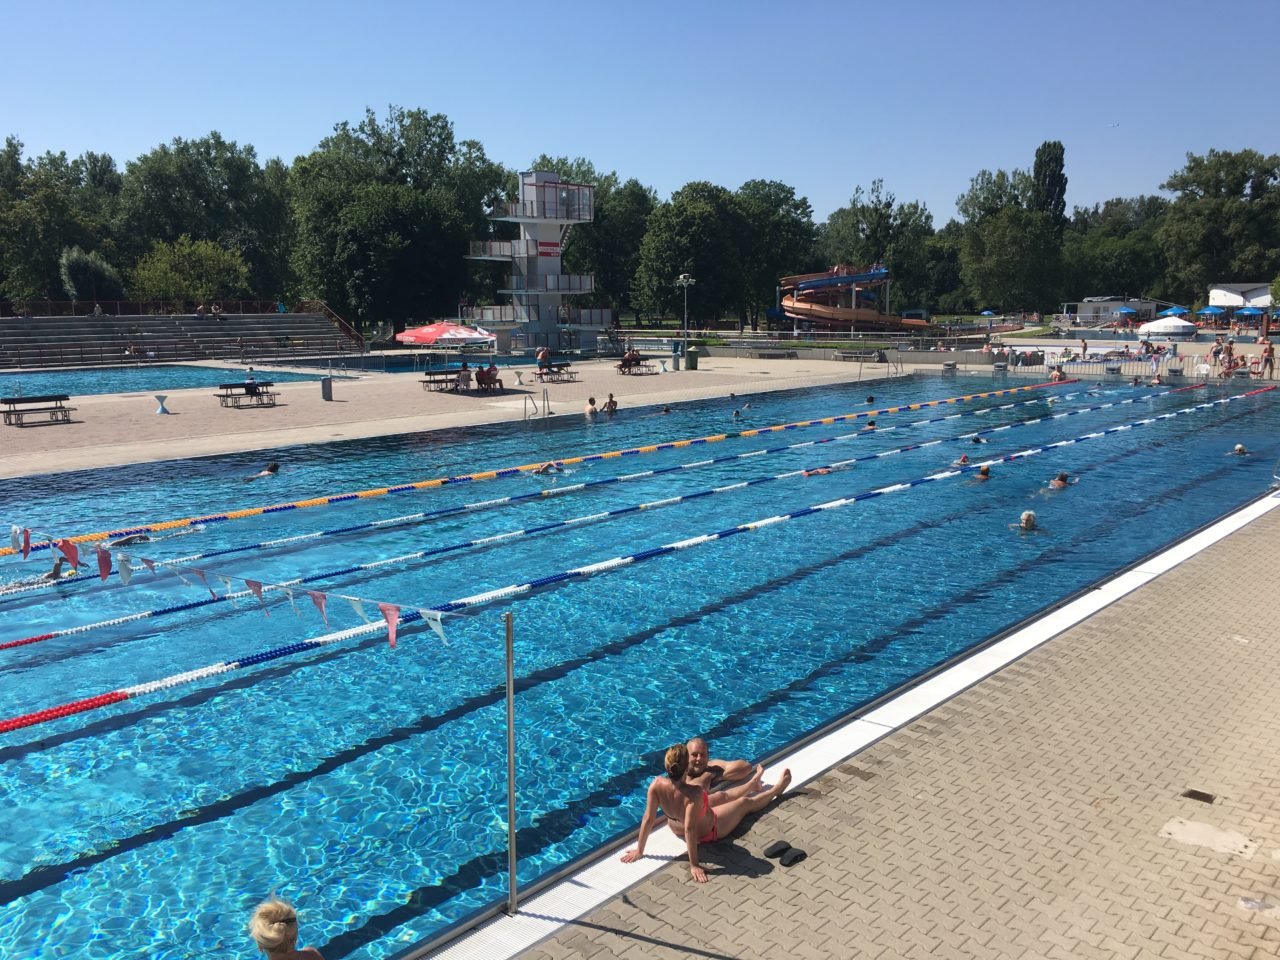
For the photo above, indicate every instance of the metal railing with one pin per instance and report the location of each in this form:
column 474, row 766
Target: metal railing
column 116, row 308
column 322, row 308
column 503, row 248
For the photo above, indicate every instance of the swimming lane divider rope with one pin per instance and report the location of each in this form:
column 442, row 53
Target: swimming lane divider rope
column 526, row 468
column 504, row 593
column 443, row 512
column 573, row 521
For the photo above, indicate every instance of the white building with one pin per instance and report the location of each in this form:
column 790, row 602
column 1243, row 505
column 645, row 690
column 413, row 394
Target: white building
column 1230, row 295
column 547, row 209
column 1095, row 311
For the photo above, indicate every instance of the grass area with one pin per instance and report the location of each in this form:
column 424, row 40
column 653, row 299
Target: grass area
column 1030, row 332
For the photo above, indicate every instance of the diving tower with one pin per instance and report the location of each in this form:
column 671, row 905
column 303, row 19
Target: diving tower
column 547, row 210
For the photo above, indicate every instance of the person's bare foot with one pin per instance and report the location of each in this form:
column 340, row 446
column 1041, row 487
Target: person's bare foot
column 783, row 783
column 755, row 782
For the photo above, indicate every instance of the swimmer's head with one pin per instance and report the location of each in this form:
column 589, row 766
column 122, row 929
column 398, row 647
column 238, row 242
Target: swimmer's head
column 871, row 399
column 984, row 471
column 1240, row 448
column 273, row 467
column 676, row 761
column 1028, row 520
column 1062, row 476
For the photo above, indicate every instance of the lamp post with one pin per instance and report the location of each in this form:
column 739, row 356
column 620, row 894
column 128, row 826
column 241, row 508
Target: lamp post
column 685, row 282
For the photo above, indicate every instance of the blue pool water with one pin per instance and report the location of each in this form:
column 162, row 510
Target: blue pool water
column 367, row 784
column 135, row 379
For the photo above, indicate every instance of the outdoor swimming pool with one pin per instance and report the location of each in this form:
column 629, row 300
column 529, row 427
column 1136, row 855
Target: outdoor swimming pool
column 367, row 784
column 141, row 378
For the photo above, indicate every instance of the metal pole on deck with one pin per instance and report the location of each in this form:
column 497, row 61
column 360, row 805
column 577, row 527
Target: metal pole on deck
column 513, row 905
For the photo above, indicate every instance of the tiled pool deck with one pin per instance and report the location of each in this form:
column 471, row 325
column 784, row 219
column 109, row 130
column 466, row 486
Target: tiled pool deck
column 1037, row 813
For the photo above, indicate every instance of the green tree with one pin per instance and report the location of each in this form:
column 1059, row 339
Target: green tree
column 189, row 270
column 778, row 241
column 87, row 276
column 39, row 216
column 353, row 198
column 1049, row 182
column 698, row 231
column 206, row 189
column 1224, row 222
column 1010, row 260
column 989, row 193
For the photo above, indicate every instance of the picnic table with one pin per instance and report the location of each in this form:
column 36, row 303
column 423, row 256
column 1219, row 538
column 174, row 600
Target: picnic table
column 439, row 380
column 252, row 393
column 557, row 373
column 638, row 368
column 53, row 405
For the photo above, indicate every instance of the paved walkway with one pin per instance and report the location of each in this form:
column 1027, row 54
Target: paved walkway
column 1038, row 814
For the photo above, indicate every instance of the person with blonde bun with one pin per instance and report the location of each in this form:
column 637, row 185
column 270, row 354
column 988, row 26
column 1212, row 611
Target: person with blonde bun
column 274, row 928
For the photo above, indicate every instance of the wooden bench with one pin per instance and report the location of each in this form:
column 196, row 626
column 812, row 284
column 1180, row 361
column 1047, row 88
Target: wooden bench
column 251, row 394
column 864, row 356
column 773, row 354
column 440, row 380
column 558, row 374
column 52, row 405
column 638, row 368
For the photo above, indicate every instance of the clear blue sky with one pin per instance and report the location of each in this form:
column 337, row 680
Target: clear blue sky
column 824, row 96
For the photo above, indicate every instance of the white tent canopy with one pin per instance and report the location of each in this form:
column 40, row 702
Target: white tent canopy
column 1168, row 326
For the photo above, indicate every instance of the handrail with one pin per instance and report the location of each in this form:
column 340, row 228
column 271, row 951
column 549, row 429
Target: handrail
column 319, row 306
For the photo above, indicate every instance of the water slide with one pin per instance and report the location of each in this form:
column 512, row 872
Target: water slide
column 817, row 298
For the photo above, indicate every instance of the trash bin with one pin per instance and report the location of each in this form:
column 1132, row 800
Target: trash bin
column 691, row 359
column 675, row 361
column 326, row 388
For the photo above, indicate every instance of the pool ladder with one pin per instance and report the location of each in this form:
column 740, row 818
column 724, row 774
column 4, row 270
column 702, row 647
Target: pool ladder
column 544, row 411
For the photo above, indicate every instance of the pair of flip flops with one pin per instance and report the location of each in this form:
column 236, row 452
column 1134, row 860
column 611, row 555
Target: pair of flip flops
column 784, row 853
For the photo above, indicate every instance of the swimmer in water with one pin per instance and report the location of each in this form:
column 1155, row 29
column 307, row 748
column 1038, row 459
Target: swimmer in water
column 666, row 409
column 1060, row 482
column 963, row 461
column 1239, row 450
column 978, row 440
column 871, row 425
column 1135, row 382
column 130, row 539
column 57, row 572
column 871, row 399
column 983, row 474
column 270, row 470
column 1026, row 523
column 549, row 467
column 737, row 414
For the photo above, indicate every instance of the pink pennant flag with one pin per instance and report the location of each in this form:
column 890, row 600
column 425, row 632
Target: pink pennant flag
column 319, row 600
column 256, row 589
column 390, row 613
column 26, row 543
column 149, row 564
column 104, row 563
column 200, row 574
column 69, row 551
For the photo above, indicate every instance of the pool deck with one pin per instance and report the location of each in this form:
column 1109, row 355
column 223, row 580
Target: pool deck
column 1036, row 813
column 117, row 429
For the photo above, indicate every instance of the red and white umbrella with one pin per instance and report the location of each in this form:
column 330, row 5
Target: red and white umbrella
column 445, row 334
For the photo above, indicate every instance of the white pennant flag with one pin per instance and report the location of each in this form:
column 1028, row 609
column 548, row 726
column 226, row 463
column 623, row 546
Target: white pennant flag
column 288, row 592
column 15, row 538
column 126, row 571
column 358, row 606
column 432, row 619
column 226, row 582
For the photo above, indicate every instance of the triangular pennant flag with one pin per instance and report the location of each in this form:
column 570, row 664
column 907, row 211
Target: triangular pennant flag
column 126, row 571
column 358, row 606
column 390, row 613
column 178, row 574
column 69, row 551
column 15, row 538
column 288, row 592
column 256, row 589
column 432, row 619
column 200, row 574
column 149, row 564
column 226, row 583
column 319, row 600
column 26, row 543
column 104, row 563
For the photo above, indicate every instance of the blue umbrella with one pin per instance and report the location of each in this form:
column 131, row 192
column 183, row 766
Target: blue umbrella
column 1250, row 312
column 1209, row 311
column 987, row 313
column 1172, row 312
column 1126, row 310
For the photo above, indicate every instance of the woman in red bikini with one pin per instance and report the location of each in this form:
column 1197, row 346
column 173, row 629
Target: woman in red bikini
column 690, row 807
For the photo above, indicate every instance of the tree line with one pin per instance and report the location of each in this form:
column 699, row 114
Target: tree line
column 376, row 221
